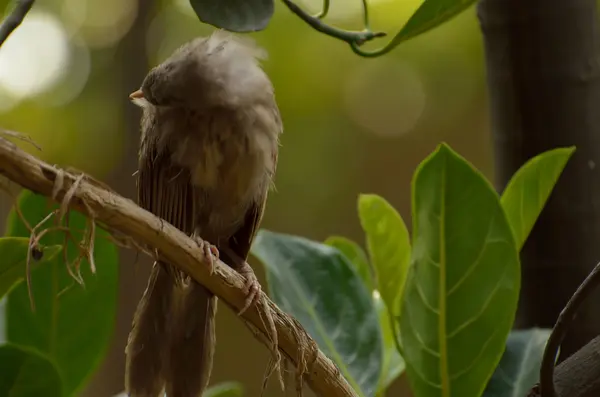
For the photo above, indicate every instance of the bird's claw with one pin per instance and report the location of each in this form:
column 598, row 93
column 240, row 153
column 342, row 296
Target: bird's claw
column 252, row 287
column 210, row 252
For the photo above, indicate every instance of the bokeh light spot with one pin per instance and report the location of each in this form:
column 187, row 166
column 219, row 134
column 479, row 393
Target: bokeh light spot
column 35, row 57
column 385, row 96
column 102, row 23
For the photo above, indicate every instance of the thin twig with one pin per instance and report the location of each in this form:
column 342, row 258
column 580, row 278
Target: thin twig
column 14, row 19
column 354, row 38
column 22, row 137
column 560, row 329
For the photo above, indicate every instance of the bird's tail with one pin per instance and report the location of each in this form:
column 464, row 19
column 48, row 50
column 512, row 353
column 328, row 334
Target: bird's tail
column 171, row 344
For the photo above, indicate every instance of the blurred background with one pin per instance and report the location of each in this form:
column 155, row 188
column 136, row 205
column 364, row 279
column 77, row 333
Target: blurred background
column 352, row 125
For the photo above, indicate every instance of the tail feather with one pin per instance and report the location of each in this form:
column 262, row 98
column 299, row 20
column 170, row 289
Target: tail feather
column 190, row 356
column 146, row 347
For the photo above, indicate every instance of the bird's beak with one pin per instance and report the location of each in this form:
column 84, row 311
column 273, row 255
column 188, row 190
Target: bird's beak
column 136, row 95
column 138, row 99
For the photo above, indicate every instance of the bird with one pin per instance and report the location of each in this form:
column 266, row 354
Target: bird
column 210, row 129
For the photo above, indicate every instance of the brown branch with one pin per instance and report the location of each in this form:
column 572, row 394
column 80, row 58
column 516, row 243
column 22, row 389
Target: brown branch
column 578, row 375
column 124, row 216
column 591, row 283
column 14, row 19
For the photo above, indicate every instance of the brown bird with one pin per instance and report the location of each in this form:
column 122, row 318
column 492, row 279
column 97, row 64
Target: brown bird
column 208, row 153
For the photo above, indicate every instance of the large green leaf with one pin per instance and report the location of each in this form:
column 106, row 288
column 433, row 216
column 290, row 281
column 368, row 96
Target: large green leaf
column 318, row 286
column 235, row 15
column 13, row 251
column 356, row 256
column 26, row 373
column 529, row 188
column 463, row 286
column 389, row 247
column 71, row 324
column 519, row 368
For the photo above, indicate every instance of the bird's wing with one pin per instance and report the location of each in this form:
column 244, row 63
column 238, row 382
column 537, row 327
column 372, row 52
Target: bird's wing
column 165, row 190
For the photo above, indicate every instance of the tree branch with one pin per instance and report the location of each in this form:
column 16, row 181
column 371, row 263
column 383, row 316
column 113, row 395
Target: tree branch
column 14, row 19
column 578, row 375
column 560, row 330
column 122, row 215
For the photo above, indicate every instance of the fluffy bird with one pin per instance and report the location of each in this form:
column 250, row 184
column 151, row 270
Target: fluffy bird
column 209, row 141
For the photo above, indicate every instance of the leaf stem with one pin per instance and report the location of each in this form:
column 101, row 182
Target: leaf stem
column 14, row 19
column 395, row 335
column 354, row 38
column 325, row 10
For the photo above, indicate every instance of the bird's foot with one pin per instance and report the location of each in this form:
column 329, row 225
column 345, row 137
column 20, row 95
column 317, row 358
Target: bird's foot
column 211, row 252
column 252, row 287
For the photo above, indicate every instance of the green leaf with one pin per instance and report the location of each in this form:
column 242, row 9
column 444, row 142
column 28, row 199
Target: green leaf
column 389, row 247
column 529, row 189
column 356, row 256
column 429, row 15
column 71, row 324
column 463, row 286
column 13, row 251
column 235, row 15
column 225, row 389
column 26, row 373
column 519, row 369
column 317, row 285
column 393, row 364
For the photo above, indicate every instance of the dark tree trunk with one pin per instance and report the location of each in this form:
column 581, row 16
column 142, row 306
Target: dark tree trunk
column 543, row 66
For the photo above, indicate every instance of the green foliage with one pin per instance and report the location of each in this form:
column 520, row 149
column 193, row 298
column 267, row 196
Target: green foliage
column 356, row 256
column 393, row 364
column 458, row 300
column 429, row 15
column 389, row 247
column 225, row 389
column 235, row 15
column 320, row 288
column 13, row 251
column 72, row 324
column 519, row 368
column 462, row 292
column 27, row 373
column 527, row 192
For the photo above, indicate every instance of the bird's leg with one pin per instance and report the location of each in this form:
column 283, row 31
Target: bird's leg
column 252, row 287
column 210, row 252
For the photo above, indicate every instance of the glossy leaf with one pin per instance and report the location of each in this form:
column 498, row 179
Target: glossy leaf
column 429, row 15
column 235, row 15
column 388, row 245
column 463, row 287
column 25, row 373
column 529, row 189
column 393, row 364
column 13, row 251
column 71, row 324
column 519, row 369
column 356, row 256
column 317, row 285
